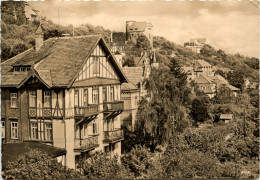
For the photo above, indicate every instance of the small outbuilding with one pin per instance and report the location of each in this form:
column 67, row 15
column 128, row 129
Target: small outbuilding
column 227, row 118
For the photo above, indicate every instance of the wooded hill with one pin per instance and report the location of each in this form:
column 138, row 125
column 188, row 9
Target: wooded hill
column 18, row 35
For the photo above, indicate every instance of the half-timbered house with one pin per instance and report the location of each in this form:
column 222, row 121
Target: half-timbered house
column 64, row 92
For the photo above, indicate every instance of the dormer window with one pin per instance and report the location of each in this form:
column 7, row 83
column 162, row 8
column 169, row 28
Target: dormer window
column 22, row 69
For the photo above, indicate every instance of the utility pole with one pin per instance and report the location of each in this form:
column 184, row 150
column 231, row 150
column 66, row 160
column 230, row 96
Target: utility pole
column 244, row 123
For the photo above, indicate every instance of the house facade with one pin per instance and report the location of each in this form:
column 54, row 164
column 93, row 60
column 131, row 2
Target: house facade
column 195, row 44
column 66, row 94
column 130, row 94
column 135, row 29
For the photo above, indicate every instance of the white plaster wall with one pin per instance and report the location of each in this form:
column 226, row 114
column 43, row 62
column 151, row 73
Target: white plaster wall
column 70, row 156
column 58, row 133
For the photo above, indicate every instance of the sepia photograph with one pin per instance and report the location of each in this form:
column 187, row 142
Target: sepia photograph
column 109, row 89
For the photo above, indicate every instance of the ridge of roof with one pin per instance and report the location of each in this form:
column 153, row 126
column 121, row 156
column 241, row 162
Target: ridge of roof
column 203, row 62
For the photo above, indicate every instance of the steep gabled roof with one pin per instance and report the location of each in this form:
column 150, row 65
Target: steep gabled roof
column 140, row 26
column 203, row 63
column 61, row 58
column 133, row 74
column 202, row 80
column 128, row 87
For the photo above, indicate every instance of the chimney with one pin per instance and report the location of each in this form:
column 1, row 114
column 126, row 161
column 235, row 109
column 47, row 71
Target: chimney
column 38, row 38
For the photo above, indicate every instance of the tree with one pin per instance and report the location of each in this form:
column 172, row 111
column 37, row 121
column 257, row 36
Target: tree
column 141, row 164
column 142, row 43
column 168, row 99
column 37, row 165
column 236, row 78
column 224, row 95
column 199, row 109
column 100, row 166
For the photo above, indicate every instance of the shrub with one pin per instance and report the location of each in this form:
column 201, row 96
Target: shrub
column 37, row 165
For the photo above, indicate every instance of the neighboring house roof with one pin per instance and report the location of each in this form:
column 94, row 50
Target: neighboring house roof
column 11, row 151
column 226, row 116
column 133, row 74
column 203, row 63
column 221, row 81
column 128, row 87
column 139, row 26
column 202, row 80
column 139, row 61
column 59, row 58
column 119, row 38
column 232, row 88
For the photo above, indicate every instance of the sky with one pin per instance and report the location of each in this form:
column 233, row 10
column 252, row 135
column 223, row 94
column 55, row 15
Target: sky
column 232, row 26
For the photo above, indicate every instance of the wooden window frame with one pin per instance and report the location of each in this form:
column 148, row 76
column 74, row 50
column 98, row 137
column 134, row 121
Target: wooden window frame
column 46, row 131
column 3, row 129
column 13, row 99
column 30, row 96
column 31, row 128
column 13, row 128
column 44, row 96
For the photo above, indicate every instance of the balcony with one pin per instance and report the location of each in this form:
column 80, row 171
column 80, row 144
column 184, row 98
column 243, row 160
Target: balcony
column 40, row 112
column 113, row 106
column 86, row 144
column 112, row 136
column 90, row 110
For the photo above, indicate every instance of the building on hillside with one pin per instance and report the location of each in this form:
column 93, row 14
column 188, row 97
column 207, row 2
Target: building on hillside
column 31, row 14
column 227, row 118
column 203, row 67
column 195, row 44
column 130, row 94
column 205, row 85
column 135, row 29
column 67, row 94
column 222, row 82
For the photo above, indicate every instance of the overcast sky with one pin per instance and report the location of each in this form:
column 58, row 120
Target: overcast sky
column 230, row 25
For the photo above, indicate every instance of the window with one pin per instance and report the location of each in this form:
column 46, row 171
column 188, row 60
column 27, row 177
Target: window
column 13, row 100
column 34, row 130
column 76, row 98
column 85, row 98
column 112, row 94
column 47, row 98
column 95, row 96
column 96, row 65
column 14, row 130
column 94, row 125
column 17, row 69
column 48, row 131
column 32, row 98
column 3, row 129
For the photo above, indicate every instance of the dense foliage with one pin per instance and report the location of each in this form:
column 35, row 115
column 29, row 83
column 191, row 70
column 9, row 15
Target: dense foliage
column 36, row 165
column 17, row 33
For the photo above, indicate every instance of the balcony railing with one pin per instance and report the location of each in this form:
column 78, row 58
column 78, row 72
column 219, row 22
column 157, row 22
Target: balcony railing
column 114, row 135
column 86, row 143
column 40, row 112
column 90, row 110
column 113, row 106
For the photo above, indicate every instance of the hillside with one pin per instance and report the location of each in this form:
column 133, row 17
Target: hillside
column 18, row 32
column 247, row 66
column 18, row 35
